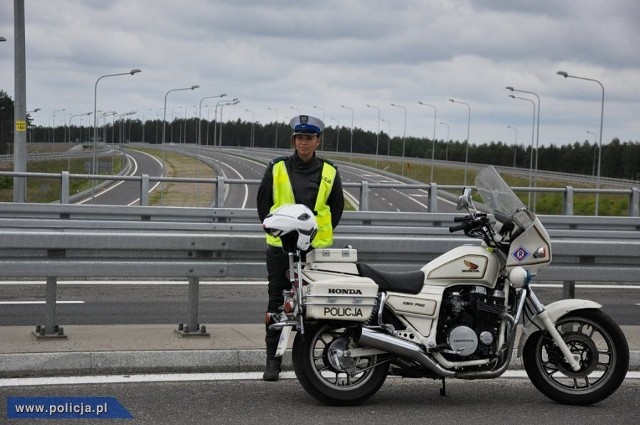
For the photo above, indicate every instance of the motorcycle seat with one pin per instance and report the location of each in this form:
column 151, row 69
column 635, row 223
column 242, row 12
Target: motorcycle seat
column 405, row 282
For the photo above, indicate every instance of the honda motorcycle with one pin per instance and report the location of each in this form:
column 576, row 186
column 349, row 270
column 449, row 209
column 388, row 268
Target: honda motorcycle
column 456, row 317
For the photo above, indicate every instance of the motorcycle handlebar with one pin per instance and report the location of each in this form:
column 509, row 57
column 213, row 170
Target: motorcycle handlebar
column 459, row 227
column 461, row 218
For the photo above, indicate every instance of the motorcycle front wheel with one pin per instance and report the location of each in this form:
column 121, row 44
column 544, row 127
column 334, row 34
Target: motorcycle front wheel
column 326, row 370
column 603, row 355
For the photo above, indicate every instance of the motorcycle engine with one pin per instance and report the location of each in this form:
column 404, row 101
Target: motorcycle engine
column 469, row 322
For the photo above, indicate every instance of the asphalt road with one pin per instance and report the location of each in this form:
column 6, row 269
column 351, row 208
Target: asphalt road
column 250, row 165
column 105, row 304
column 128, row 192
column 416, row 401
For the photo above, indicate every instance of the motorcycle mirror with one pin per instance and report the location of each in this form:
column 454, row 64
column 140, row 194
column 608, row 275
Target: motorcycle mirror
column 464, row 200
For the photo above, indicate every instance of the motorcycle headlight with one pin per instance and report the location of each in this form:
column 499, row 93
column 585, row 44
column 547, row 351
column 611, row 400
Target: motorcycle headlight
column 519, row 276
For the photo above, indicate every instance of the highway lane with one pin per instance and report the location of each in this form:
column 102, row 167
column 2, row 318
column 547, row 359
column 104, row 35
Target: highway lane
column 246, row 399
column 107, row 303
column 250, row 164
column 128, row 192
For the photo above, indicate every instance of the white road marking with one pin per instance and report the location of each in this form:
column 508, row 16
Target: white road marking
column 37, row 302
column 114, row 185
column 155, row 186
column 135, row 282
column 246, row 187
column 185, row 377
column 256, row 282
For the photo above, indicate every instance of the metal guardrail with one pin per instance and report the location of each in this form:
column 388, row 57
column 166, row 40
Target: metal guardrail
column 219, row 185
column 96, row 241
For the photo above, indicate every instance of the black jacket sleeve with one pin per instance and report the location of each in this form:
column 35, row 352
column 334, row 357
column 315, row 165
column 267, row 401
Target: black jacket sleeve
column 264, row 200
column 336, row 201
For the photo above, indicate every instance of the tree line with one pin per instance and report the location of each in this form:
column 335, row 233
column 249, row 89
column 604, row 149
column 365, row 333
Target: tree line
column 619, row 159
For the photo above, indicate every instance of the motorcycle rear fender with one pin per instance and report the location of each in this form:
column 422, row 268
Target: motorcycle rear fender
column 556, row 310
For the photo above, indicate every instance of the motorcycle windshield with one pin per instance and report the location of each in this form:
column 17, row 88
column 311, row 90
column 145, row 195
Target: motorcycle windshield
column 499, row 197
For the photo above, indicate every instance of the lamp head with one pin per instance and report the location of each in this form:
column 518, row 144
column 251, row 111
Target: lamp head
column 451, row 100
column 195, row 87
column 512, row 96
column 564, row 74
column 135, row 71
column 223, row 95
column 509, row 88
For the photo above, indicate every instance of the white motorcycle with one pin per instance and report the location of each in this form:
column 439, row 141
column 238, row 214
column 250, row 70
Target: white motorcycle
column 457, row 317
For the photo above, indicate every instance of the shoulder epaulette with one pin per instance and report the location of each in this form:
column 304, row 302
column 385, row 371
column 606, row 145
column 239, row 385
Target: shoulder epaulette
column 329, row 162
column 278, row 159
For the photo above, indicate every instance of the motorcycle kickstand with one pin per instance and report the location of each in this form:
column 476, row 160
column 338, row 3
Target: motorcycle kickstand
column 443, row 390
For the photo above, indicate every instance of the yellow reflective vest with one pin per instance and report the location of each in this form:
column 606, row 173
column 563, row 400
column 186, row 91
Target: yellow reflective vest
column 283, row 195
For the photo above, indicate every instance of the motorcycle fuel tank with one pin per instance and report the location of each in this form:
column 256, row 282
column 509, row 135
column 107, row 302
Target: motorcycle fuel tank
column 472, row 264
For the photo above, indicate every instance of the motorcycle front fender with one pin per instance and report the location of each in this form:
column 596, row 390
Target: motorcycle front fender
column 556, row 310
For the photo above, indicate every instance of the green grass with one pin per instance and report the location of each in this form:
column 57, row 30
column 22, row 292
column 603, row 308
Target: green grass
column 546, row 203
column 45, row 190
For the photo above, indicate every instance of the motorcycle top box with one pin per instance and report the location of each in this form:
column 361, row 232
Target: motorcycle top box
column 332, row 255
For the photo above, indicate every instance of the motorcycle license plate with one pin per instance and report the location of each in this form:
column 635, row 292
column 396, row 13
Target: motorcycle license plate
column 283, row 343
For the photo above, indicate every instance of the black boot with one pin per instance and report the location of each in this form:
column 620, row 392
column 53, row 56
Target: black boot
column 272, row 371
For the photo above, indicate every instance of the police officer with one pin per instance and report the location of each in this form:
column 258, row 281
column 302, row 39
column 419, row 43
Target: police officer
column 301, row 178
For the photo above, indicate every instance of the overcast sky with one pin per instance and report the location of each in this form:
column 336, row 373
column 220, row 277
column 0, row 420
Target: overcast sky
column 291, row 55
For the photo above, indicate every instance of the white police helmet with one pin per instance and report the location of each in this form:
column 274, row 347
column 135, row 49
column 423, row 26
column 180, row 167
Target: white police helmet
column 306, row 124
column 292, row 218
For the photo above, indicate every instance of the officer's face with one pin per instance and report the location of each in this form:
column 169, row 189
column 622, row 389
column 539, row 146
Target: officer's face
column 305, row 145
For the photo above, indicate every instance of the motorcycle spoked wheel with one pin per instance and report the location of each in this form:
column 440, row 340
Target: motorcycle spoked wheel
column 601, row 347
column 329, row 376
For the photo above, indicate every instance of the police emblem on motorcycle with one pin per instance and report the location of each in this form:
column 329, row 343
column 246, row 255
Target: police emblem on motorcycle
column 520, row 254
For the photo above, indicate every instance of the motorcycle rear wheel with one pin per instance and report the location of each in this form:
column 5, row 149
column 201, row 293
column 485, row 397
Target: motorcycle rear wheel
column 328, row 374
column 603, row 352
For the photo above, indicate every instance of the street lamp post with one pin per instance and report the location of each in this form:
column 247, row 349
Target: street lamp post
column 466, row 155
column 275, row 144
column 535, row 176
column 27, row 115
column 95, row 122
column 164, row 117
column 388, row 134
column 446, row 150
column 173, row 118
column 337, row 133
column 53, row 124
column 221, row 103
column 595, row 141
column 566, row 75
column 378, row 133
column 253, row 130
column 200, row 115
column 351, row 144
column 433, row 139
column 404, row 135
column 228, row 103
column 515, row 145
column 322, row 109
column 144, row 123
column 533, row 131
column 70, row 118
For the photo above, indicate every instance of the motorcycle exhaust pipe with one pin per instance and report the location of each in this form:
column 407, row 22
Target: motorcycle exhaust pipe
column 395, row 345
